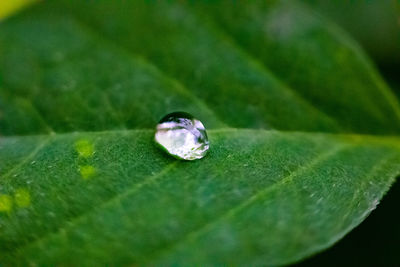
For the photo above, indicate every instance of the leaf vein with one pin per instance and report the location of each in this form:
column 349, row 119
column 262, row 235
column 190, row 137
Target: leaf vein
column 75, row 220
column 30, row 156
column 178, row 85
column 236, row 209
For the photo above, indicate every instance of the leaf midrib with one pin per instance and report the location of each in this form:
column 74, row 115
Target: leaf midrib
column 383, row 139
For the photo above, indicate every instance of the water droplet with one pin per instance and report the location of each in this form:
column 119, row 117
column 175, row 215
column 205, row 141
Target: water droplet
column 182, row 136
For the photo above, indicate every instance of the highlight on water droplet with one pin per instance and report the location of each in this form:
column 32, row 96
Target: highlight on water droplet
column 87, row 171
column 182, row 136
column 84, row 148
column 22, row 197
column 5, row 203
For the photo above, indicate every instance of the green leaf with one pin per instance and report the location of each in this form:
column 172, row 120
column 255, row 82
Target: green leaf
column 288, row 100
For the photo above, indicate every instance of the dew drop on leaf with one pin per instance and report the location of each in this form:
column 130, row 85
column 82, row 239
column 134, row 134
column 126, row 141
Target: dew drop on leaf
column 182, row 136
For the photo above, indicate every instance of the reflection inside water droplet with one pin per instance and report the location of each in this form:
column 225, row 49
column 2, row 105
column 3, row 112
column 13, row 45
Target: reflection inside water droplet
column 182, row 136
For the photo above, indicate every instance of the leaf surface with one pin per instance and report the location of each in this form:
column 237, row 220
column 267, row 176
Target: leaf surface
column 83, row 85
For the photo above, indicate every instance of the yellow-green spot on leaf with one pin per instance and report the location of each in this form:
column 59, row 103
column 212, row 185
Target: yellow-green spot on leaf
column 11, row 6
column 84, row 148
column 87, row 171
column 5, row 203
column 22, row 198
